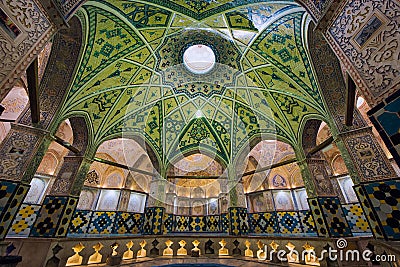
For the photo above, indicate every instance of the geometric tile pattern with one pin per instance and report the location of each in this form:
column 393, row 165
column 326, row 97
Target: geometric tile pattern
column 318, row 217
column 307, row 222
column 289, row 222
column 356, row 218
column 384, row 197
column 11, row 197
column 49, row 216
column 128, row 223
column 263, row 223
column 386, row 119
column 64, row 221
column 123, row 55
column 334, row 217
column 80, row 222
column 238, row 221
column 6, row 190
column 197, row 224
column 168, row 223
column 225, row 222
column 102, row 222
column 24, row 220
column 213, row 223
column 153, row 221
column 370, row 215
column 182, row 223
column 285, row 223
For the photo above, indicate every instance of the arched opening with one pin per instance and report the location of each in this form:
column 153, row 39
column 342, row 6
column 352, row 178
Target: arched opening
column 194, row 186
column 50, row 165
column 114, row 187
column 272, row 180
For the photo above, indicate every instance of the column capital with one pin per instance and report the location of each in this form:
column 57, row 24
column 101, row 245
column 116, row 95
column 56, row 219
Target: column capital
column 369, row 160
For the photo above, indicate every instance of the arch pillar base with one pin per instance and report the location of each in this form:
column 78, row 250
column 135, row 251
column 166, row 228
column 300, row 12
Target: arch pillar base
column 153, row 221
column 238, row 221
column 329, row 218
column 12, row 194
column 380, row 201
column 54, row 216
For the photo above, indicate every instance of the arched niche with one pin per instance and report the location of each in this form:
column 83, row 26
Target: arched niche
column 49, row 163
column 114, row 180
column 129, row 153
column 263, row 155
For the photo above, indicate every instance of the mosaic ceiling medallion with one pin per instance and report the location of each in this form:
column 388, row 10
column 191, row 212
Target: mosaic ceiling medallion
column 198, row 62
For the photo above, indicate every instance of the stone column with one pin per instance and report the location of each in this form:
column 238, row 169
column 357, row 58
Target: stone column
column 59, row 206
column 238, row 218
column 364, row 158
column 323, row 201
column 155, row 207
column 376, row 183
column 21, row 151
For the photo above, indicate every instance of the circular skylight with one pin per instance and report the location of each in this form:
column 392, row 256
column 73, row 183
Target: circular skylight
column 199, row 59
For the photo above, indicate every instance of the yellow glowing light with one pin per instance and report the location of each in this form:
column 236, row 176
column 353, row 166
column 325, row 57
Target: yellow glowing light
column 223, row 251
column 168, row 250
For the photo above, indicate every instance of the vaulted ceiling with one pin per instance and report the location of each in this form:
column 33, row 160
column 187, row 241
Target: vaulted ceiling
column 131, row 80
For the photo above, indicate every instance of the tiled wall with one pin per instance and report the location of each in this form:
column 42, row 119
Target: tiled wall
column 384, row 197
column 94, row 223
column 386, row 119
column 282, row 222
column 356, row 218
column 24, row 220
column 105, row 222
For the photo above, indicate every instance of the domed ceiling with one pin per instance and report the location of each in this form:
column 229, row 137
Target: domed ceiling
column 131, row 78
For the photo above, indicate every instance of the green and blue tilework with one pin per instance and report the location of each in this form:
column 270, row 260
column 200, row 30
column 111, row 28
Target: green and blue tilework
column 386, row 119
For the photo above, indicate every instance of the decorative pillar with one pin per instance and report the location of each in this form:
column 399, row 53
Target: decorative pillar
column 170, row 198
column 58, row 207
column 325, row 207
column 364, row 158
column 223, row 199
column 376, row 183
column 238, row 219
column 155, row 208
column 22, row 151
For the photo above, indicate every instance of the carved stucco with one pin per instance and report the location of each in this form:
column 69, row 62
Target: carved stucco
column 375, row 65
column 15, row 57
